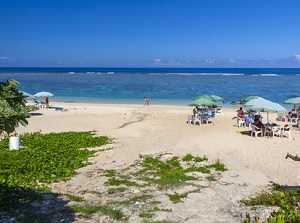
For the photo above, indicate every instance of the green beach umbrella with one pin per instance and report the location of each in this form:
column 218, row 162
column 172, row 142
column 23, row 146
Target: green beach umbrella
column 248, row 98
column 202, row 102
column 293, row 101
column 217, row 98
column 205, row 96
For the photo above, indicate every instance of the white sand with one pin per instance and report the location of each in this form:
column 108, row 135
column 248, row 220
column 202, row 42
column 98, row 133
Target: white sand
column 143, row 129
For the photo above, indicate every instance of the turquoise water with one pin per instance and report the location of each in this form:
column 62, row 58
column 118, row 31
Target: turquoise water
column 176, row 86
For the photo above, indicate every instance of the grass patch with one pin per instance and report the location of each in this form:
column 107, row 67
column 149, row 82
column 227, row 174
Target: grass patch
column 176, row 198
column 87, row 210
column 73, row 197
column 116, row 190
column 146, row 214
column 211, row 178
column 287, row 199
column 218, row 166
column 164, row 174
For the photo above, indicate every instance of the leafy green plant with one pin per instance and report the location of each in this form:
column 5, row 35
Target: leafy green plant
column 287, row 199
column 45, row 158
column 12, row 107
column 190, row 157
column 218, row 166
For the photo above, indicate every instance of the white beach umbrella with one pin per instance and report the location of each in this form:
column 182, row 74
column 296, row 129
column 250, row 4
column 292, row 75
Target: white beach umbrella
column 43, row 94
column 28, row 96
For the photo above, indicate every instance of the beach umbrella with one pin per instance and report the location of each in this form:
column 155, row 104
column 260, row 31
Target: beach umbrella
column 293, row 101
column 28, row 96
column 202, row 102
column 205, row 96
column 43, row 94
column 247, row 98
column 264, row 105
column 216, row 98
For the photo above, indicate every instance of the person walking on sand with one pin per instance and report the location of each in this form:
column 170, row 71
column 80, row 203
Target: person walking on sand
column 145, row 101
column 148, row 101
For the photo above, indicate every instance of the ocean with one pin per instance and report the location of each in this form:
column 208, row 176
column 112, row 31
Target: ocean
column 170, row 86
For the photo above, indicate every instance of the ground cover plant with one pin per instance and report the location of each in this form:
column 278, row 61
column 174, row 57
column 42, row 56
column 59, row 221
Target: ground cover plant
column 137, row 190
column 288, row 199
column 45, row 158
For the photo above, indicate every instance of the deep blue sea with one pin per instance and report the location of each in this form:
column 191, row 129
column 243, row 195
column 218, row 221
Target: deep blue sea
column 172, row 86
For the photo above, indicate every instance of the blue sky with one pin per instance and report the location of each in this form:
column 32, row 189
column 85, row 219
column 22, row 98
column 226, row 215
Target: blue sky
column 150, row 33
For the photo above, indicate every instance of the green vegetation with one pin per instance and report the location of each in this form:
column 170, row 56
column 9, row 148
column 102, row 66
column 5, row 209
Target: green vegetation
column 25, row 175
column 287, row 199
column 164, row 174
column 12, row 107
column 175, row 198
column 45, row 158
column 88, row 210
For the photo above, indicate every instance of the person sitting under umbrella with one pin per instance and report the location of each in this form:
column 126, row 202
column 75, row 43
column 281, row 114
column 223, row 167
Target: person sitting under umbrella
column 293, row 113
column 47, row 101
column 257, row 122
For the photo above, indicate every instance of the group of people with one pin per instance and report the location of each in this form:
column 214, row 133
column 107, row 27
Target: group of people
column 205, row 111
column 256, row 121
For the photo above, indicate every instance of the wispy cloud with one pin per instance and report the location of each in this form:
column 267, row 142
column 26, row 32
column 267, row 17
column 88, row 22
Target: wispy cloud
column 293, row 61
column 5, row 58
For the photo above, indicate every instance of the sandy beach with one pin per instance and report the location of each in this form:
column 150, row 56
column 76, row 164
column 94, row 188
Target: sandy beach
column 253, row 163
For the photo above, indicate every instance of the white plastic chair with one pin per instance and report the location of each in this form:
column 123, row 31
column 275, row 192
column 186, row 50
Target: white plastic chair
column 204, row 119
column 197, row 120
column 190, row 119
column 284, row 118
column 240, row 121
column 286, row 131
column 255, row 131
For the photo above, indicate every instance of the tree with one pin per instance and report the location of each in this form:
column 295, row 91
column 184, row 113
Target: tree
column 12, row 107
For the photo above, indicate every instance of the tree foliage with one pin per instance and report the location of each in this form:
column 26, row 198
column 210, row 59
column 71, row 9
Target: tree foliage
column 12, row 107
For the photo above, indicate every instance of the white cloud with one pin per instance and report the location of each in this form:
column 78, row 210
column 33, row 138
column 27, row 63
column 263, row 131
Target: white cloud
column 297, row 56
column 209, row 61
column 4, row 58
